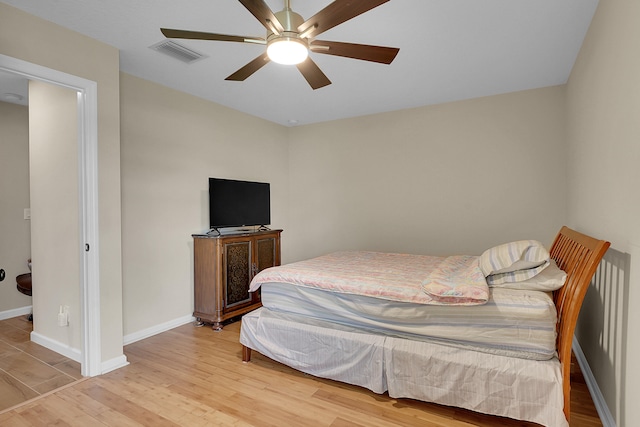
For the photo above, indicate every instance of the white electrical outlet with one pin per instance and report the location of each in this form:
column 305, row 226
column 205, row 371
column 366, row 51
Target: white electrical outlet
column 27, row 213
column 63, row 316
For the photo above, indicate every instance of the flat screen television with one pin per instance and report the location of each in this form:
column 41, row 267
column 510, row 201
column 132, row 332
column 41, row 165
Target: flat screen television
column 235, row 203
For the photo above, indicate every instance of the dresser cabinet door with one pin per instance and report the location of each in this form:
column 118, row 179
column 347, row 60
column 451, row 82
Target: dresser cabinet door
column 266, row 256
column 238, row 270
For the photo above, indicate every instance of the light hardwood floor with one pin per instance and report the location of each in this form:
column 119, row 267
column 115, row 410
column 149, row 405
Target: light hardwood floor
column 194, row 377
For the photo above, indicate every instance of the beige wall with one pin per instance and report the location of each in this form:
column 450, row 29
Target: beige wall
column 15, row 243
column 171, row 144
column 452, row 178
column 53, row 174
column 34, row 40
column 603, row 125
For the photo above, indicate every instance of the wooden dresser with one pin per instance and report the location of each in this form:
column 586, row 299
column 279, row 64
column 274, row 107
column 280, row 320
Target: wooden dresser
column 223, row 268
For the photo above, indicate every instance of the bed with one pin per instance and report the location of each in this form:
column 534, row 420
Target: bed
column 426, row 328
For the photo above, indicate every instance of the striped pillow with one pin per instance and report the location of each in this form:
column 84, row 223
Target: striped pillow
column 549, row 279
column 514, row 261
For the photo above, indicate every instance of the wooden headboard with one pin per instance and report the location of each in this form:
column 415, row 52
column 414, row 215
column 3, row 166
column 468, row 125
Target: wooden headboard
column 579, row 255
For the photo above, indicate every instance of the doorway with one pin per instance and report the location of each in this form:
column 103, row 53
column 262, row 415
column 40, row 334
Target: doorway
column 86, row 90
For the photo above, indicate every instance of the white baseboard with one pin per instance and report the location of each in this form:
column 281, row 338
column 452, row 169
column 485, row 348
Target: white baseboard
column 8, row 314
column 598, row 399
column 154, row 330
column 58, row 347
column 113, row 364
column 76, row 354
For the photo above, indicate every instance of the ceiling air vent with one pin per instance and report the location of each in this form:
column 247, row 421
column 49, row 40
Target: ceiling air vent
column 177, row 51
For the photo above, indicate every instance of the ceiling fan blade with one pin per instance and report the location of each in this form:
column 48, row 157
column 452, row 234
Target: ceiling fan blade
column 336, row 13
column 198, row 35
column 313, row 74
column 263, row 13
column 365, row 52
column 246, row 71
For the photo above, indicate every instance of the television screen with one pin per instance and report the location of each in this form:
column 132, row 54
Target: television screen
column 238, row 203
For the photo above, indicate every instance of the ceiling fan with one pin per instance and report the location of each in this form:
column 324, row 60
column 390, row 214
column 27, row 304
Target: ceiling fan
column 290, row 38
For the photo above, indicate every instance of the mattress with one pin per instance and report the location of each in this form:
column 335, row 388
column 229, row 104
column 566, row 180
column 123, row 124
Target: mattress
column 424, row 279
column 513, row 323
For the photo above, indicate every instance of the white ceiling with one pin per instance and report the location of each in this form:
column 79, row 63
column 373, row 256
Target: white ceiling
column 449, row 50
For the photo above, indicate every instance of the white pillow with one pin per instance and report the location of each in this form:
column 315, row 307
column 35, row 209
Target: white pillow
column 549, row 279
column 514, row 261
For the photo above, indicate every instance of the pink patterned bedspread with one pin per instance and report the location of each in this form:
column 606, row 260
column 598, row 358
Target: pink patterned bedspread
column 418, row 279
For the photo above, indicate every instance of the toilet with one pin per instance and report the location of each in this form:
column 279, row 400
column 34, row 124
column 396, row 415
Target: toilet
column 24, row 284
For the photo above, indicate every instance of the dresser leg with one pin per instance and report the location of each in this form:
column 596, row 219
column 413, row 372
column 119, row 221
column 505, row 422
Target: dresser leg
column 246, row 354
column 217, row 326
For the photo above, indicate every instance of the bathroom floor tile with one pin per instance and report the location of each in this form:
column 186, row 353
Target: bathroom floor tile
column 13, row 392
column 27, row 369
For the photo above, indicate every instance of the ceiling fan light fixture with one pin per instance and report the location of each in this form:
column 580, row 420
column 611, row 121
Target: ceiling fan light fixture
column 287, row 50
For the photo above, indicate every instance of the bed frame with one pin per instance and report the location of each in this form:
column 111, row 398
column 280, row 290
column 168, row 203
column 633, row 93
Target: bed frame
column 579, row 255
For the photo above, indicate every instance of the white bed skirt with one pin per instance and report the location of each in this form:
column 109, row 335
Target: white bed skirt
column 523, row 389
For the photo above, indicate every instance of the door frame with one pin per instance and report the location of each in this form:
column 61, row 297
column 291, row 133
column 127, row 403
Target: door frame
column 87, row 111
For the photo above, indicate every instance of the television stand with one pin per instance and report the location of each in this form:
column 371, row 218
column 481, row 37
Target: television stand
column 214, row 232
column 223, row 268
